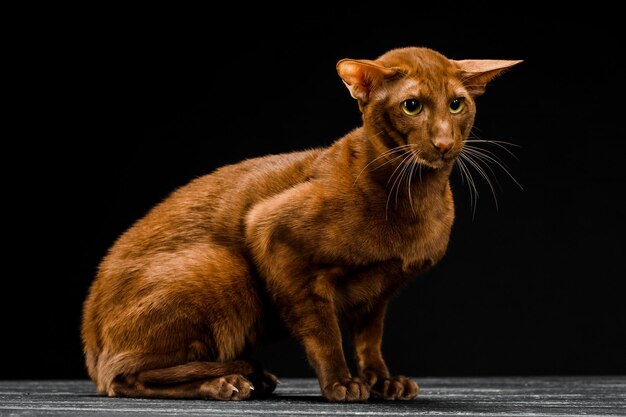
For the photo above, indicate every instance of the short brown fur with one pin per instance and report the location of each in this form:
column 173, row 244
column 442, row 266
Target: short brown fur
column 305, row 239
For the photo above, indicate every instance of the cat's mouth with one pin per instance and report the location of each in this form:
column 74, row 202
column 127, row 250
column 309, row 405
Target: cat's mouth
column 437, row 161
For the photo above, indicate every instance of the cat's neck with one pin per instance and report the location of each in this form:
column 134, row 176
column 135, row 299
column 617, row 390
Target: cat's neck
column 376, row 166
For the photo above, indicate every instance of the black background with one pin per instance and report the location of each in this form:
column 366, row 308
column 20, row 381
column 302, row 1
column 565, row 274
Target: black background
column 115, row 109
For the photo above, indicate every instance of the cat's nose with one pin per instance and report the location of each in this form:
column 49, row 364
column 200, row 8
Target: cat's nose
column 443, row 145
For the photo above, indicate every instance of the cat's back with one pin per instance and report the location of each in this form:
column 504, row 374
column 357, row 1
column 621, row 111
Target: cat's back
column 212, row 208
column 200, row 226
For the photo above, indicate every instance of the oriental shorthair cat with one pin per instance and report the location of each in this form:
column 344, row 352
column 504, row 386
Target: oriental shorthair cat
column 302, row 241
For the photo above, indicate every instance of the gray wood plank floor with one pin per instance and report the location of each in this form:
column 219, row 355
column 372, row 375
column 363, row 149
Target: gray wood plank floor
column 524, row 396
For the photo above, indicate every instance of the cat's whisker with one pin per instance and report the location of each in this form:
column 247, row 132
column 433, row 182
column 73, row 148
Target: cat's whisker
column 485, row 154
column 498, row 143
column 410, row 165
column 394, row 183
column 407, row 176
column 405, row 155
column 394, row 159
column 473, row 129
column 408, row 172
column 400, row 177
column 461, row 173
column 414, row 163
column 489, row 156
column 474, row 195
column 458, row 163
column 482, row 173
column 381, row 165
column 472, row 144
column 473, row 85
column 474, row 138
column 385, row 154
column 401, row 148
column 407, row 164
column 473, row 191
column 483, row 158
column 391, row 189
column 420, row 171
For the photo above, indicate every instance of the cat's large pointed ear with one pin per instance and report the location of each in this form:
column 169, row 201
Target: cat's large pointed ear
column 361, row 76
column 476, row 73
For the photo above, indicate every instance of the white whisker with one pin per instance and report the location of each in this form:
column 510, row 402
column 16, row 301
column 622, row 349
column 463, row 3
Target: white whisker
column 483, row 174
column 394, row 183
column 413, row 164
column 489, row 156
column 473, row 191
column 406, row 155
column 482, row 158
column 403, row 173
column 401, row 148
column 498, row 143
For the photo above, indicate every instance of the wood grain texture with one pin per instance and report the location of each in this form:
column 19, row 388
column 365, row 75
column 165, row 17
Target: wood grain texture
column 496, row 396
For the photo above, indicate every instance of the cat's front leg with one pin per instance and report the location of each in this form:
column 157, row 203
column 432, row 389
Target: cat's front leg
column 305, row 303
column 367, row 331
column 310, row 314
column 283, row 233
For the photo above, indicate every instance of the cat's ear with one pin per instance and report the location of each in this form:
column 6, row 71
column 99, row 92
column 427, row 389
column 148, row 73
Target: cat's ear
column 476, row 73
column 361, row 76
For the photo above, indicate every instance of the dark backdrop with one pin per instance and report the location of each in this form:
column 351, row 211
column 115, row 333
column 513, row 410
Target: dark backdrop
column 115, row 110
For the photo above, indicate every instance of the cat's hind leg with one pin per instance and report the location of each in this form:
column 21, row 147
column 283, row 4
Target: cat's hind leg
column 229, row 387
column 233, row 380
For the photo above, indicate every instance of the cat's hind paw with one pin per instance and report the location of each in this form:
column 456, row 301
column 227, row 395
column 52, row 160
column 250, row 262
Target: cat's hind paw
column 227, row 388
column 264, row 384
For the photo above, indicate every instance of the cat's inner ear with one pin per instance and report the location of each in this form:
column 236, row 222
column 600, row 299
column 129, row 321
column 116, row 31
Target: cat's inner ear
column 476, row 73
column 362, row 76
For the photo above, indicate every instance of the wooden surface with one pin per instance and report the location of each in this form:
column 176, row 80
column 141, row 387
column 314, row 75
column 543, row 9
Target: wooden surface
column 537, row 396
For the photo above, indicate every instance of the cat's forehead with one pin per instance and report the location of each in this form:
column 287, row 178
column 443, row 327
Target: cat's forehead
column 416, row 84
column 420, row 62
column 424, row 70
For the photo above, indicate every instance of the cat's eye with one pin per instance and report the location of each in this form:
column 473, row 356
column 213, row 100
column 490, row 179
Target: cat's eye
column 457, row 105
column 412, row 106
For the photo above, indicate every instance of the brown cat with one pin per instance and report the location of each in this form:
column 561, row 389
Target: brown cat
column 305, row 239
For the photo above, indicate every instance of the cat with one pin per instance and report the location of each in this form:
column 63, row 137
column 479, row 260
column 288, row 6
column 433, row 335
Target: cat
column 306, row 240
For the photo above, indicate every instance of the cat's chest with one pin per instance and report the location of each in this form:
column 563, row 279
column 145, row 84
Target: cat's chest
column 424, row 240
column 414, row 238
column 391, row 256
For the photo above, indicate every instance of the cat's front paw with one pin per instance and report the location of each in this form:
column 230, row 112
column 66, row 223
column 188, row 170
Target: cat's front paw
column 396, row 388
column 347, row 390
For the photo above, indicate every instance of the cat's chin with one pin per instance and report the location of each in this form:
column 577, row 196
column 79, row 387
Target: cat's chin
column 436, row 164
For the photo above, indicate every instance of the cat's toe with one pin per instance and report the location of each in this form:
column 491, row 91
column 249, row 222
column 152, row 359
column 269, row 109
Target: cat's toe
column 228, row 388
column 349, row 390
column 396, row 388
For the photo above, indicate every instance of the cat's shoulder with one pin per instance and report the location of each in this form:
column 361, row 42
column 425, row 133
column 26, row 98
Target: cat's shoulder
column 271, row 162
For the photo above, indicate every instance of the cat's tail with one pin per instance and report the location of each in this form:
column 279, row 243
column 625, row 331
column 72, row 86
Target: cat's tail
column 192, row 371
column 160, row 369
column 231, row 380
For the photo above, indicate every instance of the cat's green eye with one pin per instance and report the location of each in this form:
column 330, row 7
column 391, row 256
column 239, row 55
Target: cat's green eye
column 412, row 106
column 457, row 105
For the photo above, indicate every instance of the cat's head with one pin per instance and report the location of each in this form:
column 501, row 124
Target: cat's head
column 420, row 98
